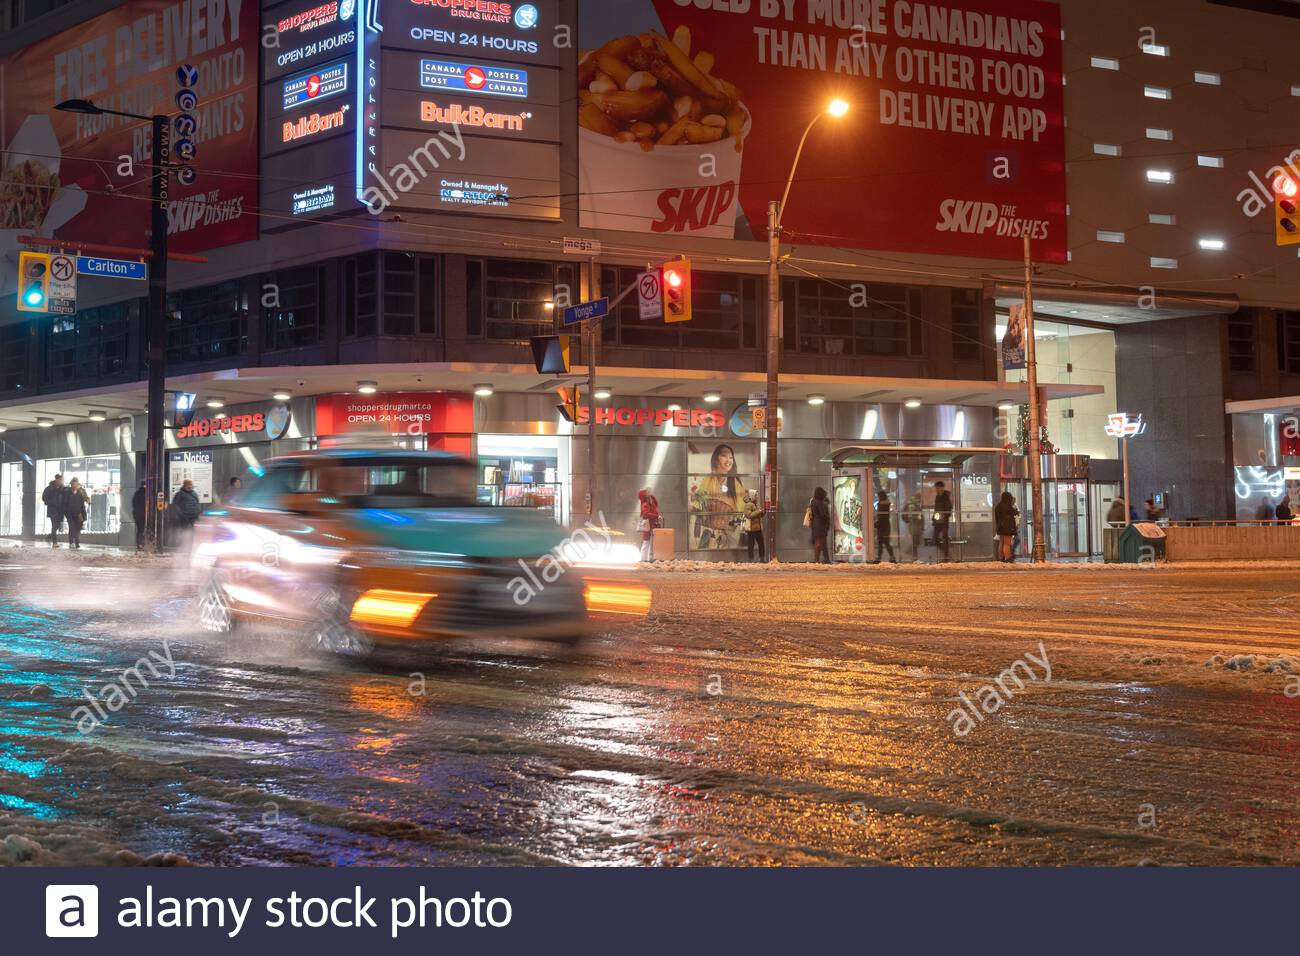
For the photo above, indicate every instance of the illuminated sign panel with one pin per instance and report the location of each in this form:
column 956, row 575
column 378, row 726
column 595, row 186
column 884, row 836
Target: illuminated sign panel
column 510, row 32
column 313, row 200
column 300, row 35
column 1122, row 425
column 319, row 85
column 294, row 131
column 474, row 78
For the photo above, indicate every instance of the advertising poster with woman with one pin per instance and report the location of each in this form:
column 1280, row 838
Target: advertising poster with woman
column 719, row 475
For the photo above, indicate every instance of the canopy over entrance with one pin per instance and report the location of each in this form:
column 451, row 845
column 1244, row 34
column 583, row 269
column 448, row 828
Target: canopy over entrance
column 900, row 456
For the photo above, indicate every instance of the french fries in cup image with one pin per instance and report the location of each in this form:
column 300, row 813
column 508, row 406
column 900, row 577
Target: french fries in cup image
column 662, row 138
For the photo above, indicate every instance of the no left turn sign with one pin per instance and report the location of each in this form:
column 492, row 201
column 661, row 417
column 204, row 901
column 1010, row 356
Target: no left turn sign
column 650, row 295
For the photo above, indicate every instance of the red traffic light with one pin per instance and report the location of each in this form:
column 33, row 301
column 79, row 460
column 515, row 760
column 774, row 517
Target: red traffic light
column 673, row 278
column 1284, row 185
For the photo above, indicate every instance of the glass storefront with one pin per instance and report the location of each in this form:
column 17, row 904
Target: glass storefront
column 11, row 498
column 523, row 471
column 101, row 476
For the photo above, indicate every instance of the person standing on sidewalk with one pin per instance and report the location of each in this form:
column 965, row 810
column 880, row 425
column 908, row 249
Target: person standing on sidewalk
column 754, row 526
column 187, row 508
column 138, row 516
column 1004, row 516
column 914, row 516
column 884, row 528
column 650, row 519
column 819, row 522
column 942, row 516
column 1283, row 511
column 75, row 500
column 52, row 498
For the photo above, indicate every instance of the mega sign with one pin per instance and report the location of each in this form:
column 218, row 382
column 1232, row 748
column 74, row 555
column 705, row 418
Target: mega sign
column 958, row 106
column 78, row 176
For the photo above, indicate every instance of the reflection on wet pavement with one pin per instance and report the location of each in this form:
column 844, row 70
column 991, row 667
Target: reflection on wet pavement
column 797, row 718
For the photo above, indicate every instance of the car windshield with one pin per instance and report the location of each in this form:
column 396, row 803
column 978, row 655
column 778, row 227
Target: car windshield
column 399, row 483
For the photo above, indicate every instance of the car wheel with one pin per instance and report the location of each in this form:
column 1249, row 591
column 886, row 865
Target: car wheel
column 333, row 632
column 215, row 615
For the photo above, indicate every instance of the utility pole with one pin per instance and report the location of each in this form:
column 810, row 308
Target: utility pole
column 155, row 453
column 771, row 421
column 593, row 333
column 1035, row 426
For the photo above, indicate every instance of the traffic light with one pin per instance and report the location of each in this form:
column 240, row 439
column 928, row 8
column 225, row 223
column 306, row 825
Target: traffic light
column 33, row 281
column 568, row 407
column 551, row 354
column 677, row 290
column 1286, row 195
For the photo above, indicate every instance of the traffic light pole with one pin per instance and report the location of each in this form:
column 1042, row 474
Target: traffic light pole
column 1035, row 425
column 771, row 421
column 593, row 335
column 155, row 453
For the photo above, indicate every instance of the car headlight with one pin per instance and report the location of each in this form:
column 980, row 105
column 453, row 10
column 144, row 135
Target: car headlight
column 608, row 556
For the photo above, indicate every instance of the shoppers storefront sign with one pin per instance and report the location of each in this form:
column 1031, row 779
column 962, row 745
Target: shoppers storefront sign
column 244, row 427
column 397, row 413
column 675, row 417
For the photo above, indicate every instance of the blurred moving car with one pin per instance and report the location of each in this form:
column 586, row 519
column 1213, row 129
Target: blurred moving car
column 368, row 550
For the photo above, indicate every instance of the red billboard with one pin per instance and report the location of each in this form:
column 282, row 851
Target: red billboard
column 953, row 142
column 83, row 177
column 397, row 413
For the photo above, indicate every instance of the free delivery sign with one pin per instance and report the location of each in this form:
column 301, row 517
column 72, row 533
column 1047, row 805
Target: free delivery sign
column 953, row 143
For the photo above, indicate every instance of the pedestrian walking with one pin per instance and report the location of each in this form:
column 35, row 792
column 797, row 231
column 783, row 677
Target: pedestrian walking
column 818, row 519
column 52, row 498
column 1118, row 514
column 232, row 491
column 650, row 520
column 75, row 500
column 914, row 516
column 1004, row 516
column 138, row 516
column 1283, row 511
column 754, row 526
column 942, row 517
column 884, row 528
column 186, row 507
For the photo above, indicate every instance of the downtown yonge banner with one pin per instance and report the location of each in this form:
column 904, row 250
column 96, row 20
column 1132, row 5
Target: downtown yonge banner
column 690, row 113
column 70, row 175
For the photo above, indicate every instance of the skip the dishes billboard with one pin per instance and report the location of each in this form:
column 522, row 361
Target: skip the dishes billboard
column 690, row 113
column 85, row 177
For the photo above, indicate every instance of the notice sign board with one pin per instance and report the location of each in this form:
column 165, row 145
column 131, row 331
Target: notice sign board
column 195, row 466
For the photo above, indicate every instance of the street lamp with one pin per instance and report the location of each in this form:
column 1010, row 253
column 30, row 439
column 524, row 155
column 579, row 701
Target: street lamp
column 836, row 108
column 156, row 322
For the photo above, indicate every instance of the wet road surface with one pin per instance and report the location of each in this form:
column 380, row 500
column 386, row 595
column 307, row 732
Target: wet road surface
column 797, row 717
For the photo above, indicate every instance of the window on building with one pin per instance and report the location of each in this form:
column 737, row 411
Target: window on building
column 966, row 339
column 1213, row 162
column 835, row 318
column 725, row 307
column 361, row 296
column 90, row 345
column 1160, row 262
column 1105, row 149
column 1288, row 342
column 1155, row 49
column 1161, row 219
column 292, row 301
column 1155, row 132
column 14, row 364
column 1107, row 235
column 1209, row 79
column 207, row 323
column 1241, row 341
column 513, row 299
column 1105, row 63
column 1158, row 92
column 410, row 294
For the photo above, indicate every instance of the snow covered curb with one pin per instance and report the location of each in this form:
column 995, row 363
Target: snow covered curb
column 849, row 567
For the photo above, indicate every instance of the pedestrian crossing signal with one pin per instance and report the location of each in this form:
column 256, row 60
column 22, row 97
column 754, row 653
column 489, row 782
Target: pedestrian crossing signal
column 551, row 354
column 1286, row 195
column 677, row 290
column 33, row 281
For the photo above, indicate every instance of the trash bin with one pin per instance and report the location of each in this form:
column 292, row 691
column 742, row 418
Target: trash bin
column 665, row 544
column 1141, row 542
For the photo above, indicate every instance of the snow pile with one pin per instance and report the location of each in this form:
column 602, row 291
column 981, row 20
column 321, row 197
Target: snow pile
column 1255, row 663
column 683, row 566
